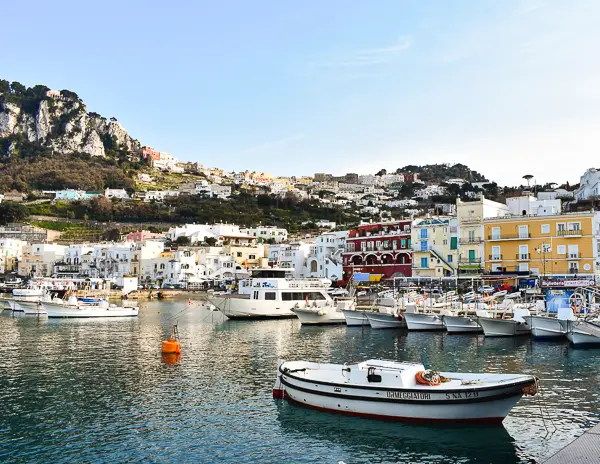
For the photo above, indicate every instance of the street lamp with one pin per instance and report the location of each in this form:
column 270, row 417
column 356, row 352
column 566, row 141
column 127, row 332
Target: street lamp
column 543, row 249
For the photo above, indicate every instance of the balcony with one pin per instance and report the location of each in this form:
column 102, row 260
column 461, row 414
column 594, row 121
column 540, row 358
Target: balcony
column 523, row 256
column 518, row 236
column 573, row 270
column 574, row 255
column 495, row 257
column 470, row 220
column 470, row 241
column 569, row 233
column 470, row 261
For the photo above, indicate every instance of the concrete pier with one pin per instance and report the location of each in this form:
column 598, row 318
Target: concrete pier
column 582, row 450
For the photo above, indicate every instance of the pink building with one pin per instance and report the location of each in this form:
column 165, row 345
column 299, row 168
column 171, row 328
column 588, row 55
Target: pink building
column 150, row 154
column 142, row 235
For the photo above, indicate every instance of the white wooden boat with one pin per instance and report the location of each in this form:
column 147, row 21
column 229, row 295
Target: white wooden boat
column 423, row 320
column 319, row 315
column 551, row 326
column 584, row 333
column 461, row 324
column 75, row 308
column 356, row 317
column 391, row 390
column 31, row 307
column 385, row 319
column 497, row 327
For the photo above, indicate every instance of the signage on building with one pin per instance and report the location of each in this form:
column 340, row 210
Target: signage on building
column 569, row 283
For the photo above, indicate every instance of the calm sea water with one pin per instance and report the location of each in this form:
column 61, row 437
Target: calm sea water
column 100, row 391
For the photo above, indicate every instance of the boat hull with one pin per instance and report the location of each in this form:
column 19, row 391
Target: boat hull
column 56, row 310
column 355, row 317
column 246, row 309
column 502, row 327
column 30, row 307
column 322, row 316
column 423, row 322
column 385, row 321
column 461, row 324
column 581, row 333
column 8, row 304
column 547, row 327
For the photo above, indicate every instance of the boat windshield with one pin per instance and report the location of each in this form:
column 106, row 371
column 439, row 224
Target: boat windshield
column 268, row 274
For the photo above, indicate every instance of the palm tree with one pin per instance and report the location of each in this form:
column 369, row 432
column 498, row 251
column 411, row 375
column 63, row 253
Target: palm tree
column 528, row 178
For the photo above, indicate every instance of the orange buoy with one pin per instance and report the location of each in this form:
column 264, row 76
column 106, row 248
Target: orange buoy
column 172, row 345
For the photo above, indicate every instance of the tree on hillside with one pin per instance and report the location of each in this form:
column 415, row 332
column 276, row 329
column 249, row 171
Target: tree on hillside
column 381, row 172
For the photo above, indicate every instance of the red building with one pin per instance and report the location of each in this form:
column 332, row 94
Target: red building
column 382, row 248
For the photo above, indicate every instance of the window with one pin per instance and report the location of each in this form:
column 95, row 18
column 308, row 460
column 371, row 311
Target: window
column 402, row 243
column 445, row 242
column 523, row 267
column 449, row 258
column 255, row 295
column 546, row 248
column 424, row 262
column 251, row 256
column 471, row 236
column 573, row 267
column 523, row 231
column 561, row 249
column 574, row 226
column 496, row 268
column 573, row 251
column 239, row 254
column 561, row 227
column 495, row 233
column 269, row 295
column 523, row 252
column 545, row 228
column 496, row 253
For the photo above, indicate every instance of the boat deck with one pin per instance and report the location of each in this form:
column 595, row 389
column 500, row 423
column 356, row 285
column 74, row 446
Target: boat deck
column 586, row 448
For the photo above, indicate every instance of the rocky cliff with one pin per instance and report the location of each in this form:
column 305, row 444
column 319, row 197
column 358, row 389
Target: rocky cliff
column 38, row 120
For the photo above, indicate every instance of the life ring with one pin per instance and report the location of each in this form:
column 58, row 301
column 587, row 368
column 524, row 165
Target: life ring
column 430, row 378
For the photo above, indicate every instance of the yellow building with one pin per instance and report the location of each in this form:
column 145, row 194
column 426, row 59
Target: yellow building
column 558, row 245
column 434, row 243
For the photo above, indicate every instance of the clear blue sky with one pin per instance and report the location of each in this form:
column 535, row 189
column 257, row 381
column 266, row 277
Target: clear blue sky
column 296, row 87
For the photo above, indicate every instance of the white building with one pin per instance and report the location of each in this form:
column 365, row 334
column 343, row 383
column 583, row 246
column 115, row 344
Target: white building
column 11, row 252
column 325, row 256
column 589, row 185
column 160, row 195
column 198, row 233
column 263, row 233
column 166, row 162
column 116, row 193
column 528, row 204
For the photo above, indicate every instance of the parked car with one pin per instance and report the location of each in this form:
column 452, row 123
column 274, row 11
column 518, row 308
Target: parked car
column 486, row 289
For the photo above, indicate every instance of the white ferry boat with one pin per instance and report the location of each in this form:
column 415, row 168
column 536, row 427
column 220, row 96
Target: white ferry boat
column 269, row 294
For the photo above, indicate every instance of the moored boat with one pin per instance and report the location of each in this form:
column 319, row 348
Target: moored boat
column 461, row 324
column 268, row 294
column 328, row 314
column 401, row 391
column 385, row 318
column 98, row 308
column 498, row 327
column 422, row 320
column 584, row 333
column 7, row 303
column 551, row 326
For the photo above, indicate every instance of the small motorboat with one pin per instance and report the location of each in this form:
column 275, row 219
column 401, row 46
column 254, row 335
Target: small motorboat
column 95, row 307
column 401, row 391
column 7, row 303
column 461, row 324
column 424, row 320
column 584, row 332
column 498, row 327
column 386, row 318
column 311, row 314
column 551, row 325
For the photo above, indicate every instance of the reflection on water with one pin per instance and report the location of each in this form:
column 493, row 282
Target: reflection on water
column 101, row 390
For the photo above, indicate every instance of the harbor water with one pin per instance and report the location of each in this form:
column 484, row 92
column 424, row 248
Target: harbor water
column 100, row 391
